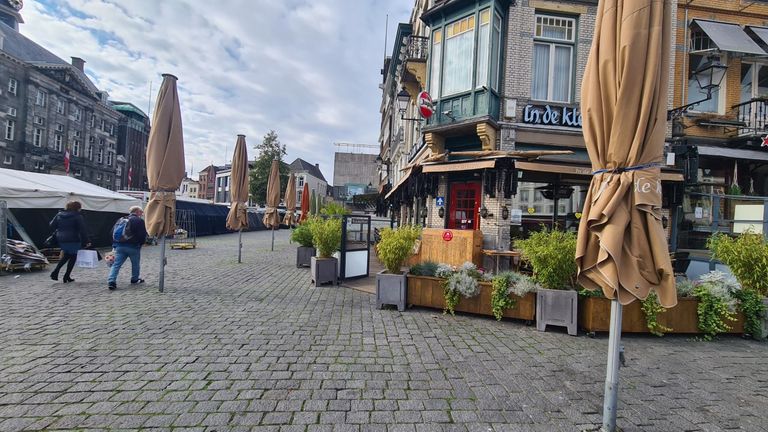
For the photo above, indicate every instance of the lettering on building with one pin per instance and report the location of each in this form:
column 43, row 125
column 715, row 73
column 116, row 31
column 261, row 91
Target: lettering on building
column 552, row 115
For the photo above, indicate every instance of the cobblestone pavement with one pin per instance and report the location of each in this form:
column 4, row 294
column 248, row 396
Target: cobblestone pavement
column 251, row 346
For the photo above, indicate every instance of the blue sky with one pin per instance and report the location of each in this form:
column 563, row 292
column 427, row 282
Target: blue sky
column 308, row 69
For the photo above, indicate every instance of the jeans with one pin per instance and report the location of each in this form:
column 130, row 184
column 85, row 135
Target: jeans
column 121, row 254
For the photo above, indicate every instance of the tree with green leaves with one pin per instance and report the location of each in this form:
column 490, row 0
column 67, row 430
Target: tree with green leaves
column 269, row 150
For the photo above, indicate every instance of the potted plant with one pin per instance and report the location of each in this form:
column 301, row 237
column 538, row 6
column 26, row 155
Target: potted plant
column 326, row 237
column 508, row 289
column 302, row 235
column 459, row 282
column 551, row 255
column 393, row 249
column 747, row 258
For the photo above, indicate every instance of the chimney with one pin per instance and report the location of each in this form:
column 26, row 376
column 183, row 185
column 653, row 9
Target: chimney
column 317, row 165
column 78, row 63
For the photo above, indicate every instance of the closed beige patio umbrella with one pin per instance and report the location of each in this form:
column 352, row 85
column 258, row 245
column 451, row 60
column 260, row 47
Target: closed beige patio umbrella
column 165, row 165
column 271, row 217
column 290, row 202
column 237, row 219
column 622, row 248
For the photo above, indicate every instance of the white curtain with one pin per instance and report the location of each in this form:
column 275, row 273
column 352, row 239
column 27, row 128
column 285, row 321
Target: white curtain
column 495, row 52
column 457, row 73
column 561, row 83
column 539, row 89
column 434, row 79
column 482, row 55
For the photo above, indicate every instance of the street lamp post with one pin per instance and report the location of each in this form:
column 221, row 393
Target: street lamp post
column 708, row 77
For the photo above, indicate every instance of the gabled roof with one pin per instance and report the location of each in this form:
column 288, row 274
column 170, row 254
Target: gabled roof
column 24, row 49
column 302, row 165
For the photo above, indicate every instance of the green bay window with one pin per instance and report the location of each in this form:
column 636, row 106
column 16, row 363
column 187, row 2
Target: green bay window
column 464, row 63
column 554, row 40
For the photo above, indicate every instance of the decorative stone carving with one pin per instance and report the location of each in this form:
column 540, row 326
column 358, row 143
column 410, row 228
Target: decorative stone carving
column 487, row 134
column 435, row 142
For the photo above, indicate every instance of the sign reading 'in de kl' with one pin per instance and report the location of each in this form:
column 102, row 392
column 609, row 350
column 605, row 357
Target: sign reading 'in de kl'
column 552, row 115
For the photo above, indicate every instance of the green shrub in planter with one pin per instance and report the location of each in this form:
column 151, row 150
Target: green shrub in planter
column 326, row 236
column 333, row 209
column 505, row 284
column 552, row 255
column 426, row 268
column 302, row 234
column 396, row 246
column 746, row 256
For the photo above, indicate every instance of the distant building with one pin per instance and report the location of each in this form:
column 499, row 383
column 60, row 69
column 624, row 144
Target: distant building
column 354, row 174
column 207, row 183
column 223, row 179
column 132, row 140
column 189, row 188
column 49, row 106
column 310, row 174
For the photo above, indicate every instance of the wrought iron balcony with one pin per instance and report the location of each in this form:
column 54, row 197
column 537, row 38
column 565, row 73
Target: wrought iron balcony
column 754, row 114
column 415, row 48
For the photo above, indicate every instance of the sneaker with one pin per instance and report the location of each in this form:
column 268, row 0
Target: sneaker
column 137, row 281
column 112, row 286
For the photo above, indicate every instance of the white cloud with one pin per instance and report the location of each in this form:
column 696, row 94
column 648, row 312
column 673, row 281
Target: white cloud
column 307, row 69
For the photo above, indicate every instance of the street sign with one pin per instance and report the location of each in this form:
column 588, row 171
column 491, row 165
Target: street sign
column 440, row 201
column 426, row 107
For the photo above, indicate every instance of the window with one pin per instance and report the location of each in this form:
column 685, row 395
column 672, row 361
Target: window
column 41, row 98
column 90, row 152
column 112, row 130
column 108, row 178
column 59, row 127
column 11, row 112
column 100, row 156
column 78, row 134
column 91, row 139
column 437, row 47
column 39, row 120
column 10, row 129
column 37, row 138
column 12, row 86
column 553, row 58
column 77, row 112
column 298, row 197
column 110, row 156
column 102, row 126
column 714, row 105
column 60, row 106
column 457, row 64
column 8, row 159
column 524, row 196
column 98, row 176
column 101, row 141
column 76, row 148
column 78, row 172
column 39, row 165
column 58, row 141
column 301, row 181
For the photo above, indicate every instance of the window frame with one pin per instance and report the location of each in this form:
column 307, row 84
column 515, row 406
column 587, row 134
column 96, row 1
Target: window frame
column 553, row 43
column 76, row 148
column 11, row 112
column 37, row 137
column 61, row 106
column 8, row 159
column 41, row 98
column 58, row 142
column 10, row 125
column 13, row 86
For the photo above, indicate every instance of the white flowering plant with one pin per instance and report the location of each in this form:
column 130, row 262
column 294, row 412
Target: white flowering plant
column 460, row 281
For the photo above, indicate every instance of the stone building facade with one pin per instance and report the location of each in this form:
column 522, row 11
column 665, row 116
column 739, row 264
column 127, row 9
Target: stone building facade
column 132, row 140
column 49, row 107
column 503, row 76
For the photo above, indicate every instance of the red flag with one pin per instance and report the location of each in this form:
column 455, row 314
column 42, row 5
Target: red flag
column 130, row 176
column 66, row 160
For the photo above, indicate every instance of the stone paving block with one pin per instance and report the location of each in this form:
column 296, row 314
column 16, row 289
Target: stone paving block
column 265, row 350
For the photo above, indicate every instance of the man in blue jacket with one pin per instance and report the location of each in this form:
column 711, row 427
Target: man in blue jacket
column 127, row 245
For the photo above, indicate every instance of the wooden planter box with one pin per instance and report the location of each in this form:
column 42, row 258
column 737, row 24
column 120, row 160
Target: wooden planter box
column 428, row 292
column 595, row 316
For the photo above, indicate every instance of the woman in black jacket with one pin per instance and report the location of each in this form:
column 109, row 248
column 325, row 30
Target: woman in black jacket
column 69, row 227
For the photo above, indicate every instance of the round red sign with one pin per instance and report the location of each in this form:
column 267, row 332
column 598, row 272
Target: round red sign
column 426, row 108
column 447, row 235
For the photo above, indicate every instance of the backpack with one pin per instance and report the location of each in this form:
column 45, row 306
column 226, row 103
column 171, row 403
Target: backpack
column 121, row 232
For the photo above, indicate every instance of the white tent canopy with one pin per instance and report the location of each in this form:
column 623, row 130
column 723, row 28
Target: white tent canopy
column 21, row 189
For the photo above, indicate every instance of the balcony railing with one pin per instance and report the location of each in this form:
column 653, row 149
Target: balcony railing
column 415, row 48
column 754, row 114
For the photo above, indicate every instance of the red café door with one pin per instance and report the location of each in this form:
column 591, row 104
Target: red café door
column 464, row 206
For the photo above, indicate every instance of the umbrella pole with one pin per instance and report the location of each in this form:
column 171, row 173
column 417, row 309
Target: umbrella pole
column 162, row 262
column 273, row 238
column 239, row 245
column 612, row 372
